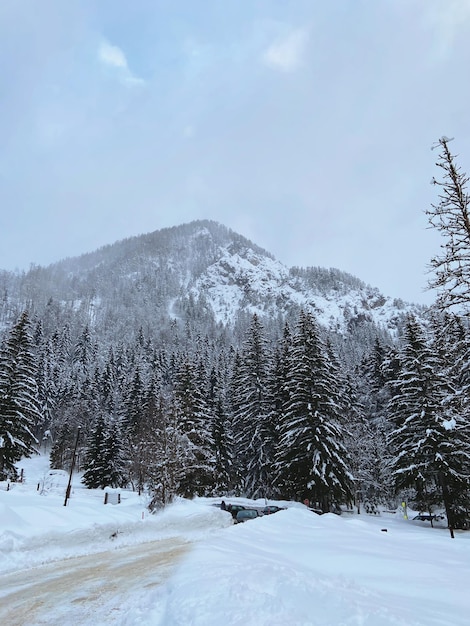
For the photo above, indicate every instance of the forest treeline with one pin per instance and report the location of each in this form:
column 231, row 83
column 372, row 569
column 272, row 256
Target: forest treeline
column 189, row 362
column 276, row 415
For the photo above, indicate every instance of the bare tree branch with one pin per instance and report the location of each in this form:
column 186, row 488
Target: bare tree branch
column 450, row 216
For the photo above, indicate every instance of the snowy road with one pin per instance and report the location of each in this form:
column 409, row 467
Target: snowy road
column 89, row 589
column 93, row 565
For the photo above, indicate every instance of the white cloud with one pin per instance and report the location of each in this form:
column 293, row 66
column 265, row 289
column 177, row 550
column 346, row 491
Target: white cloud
column 287, row 54
column 112, row 55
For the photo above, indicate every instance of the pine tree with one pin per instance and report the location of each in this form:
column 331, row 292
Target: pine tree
column 95, row 467
column 132, row 416
column 19, row 405
column 235, row 402
column 430, row 455
column 370, row 450
column 312, row 461
column 253, row 436
column 104, row 458
column 144, row 443
column 221, row 434
column 62, row 447
column 115, row 472
column 195, row 426
column 278, row 389
column 451, row 217
column 84, row 354
column 167, row 467
column 43, row 381
column 452, row 344
column 134, row 428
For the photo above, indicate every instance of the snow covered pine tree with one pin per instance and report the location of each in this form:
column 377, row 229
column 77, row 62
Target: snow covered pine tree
column 19, row 404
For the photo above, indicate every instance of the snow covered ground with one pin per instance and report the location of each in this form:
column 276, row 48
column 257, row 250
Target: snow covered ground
column 90, row 563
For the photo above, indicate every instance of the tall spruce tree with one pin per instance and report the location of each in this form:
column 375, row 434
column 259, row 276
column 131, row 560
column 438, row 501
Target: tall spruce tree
column 85, row 352
column 235, row 402
column 194, row 423
column 431, row 456
column 145, row 442
column 221, row 433
column 253, row 436
column 133, row 428
column 452, row 344
column 62, row 447
column 378, row 367
column 167, row 467
column 278, row 397
column 104, row 458
column 19, row 404
column 115, row 472
column 312, row 462
column 46, row 389
column 95, row 464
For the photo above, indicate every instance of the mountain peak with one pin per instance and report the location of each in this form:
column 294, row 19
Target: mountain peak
column 160, row 275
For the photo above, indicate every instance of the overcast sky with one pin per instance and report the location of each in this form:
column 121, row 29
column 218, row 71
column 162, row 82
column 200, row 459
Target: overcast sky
column 304, row 125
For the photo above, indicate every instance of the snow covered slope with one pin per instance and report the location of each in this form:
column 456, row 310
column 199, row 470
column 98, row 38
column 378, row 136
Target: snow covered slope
column 202, row 272
column 293, row 567
column 244, row 278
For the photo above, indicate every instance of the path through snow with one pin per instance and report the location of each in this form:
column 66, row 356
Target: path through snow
column 88, row 589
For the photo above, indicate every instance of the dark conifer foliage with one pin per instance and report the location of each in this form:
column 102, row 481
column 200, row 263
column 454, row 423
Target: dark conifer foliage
column 20, row 413
column 62, row 447
column 85, row 352
column 253, row 436
column 46, row 386
column 430, row 454
column 278, row 392
column 379, row 367
column 169, row 450
column 221, row 433
column 312, row 461
column 135, row 427
column 104, row 458
column 190, row 368
column 115, row 472
column 194, row 424
column 452, row 345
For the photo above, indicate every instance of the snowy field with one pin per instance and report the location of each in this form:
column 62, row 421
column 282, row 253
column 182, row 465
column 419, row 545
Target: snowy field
column 90, row 563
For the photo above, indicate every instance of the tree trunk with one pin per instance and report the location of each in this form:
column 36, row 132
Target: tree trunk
column 447, row 504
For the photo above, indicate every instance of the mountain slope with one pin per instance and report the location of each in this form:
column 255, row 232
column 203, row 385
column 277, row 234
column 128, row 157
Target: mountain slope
column 200, row 272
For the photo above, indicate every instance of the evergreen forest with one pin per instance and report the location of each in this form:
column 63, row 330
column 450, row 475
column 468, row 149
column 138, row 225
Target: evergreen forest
column 189, row 362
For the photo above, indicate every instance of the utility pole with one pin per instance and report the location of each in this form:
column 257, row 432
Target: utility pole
column 69, row 486
column 447, row 504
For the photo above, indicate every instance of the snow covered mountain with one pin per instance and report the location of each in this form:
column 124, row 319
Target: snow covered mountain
column 247, row 278
column 202, row 273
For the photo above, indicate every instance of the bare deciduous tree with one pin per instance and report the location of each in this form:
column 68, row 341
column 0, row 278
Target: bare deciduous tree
column 450, row 216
